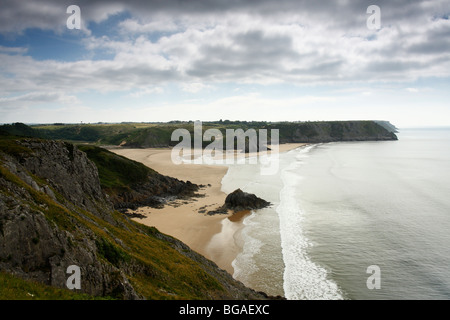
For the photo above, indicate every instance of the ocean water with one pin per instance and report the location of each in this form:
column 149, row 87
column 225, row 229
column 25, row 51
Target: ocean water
column 340, row 208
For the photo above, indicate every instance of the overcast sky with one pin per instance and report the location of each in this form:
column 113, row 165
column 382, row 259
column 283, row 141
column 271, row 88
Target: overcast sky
column 168, row 60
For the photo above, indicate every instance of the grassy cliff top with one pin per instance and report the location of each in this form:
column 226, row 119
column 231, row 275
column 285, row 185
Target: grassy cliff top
column 144, row 135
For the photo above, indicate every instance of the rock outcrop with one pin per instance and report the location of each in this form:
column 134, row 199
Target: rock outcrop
column 130, row 184
column 153, row 193
column 239, row 200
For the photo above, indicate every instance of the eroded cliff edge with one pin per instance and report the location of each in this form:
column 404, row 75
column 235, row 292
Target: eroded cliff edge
column 54, row 213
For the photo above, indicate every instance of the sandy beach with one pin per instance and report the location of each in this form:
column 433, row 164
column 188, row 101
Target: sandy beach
column 210, row 235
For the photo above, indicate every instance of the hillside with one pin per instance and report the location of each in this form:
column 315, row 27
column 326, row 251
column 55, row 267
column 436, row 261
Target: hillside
column 334, row 131
column 145, row 135
column 54, row 213
column 130, row 184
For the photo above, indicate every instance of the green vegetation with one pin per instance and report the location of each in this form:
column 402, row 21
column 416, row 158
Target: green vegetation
column 143, row 135
column 19, row 129
column 15, row 288
column 105, row 134
column 111, row 252
column 9, row 145
column 116, row 172
column 130, row 184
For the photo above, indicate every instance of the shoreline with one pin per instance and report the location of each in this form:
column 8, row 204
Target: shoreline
column 210, row 235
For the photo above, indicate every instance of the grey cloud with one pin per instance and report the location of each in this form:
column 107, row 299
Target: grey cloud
column 321, row 68
column 21, row 102
column 253, row 53
column 395, row 70
column 438, row 34
column 253, row 46
column 431, row 47
column 18, row 15
column 29, row 75
column 436, row 41
column 105, row 77
column 257, row 53
column 257, row 40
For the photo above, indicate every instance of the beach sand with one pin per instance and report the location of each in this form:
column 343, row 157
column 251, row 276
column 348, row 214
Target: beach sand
column 210, row 235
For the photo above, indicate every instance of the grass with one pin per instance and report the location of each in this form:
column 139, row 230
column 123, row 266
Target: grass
column 16, row 288
column 9, row 144
column 110, row 252
column 94, row 133
column 115, row 171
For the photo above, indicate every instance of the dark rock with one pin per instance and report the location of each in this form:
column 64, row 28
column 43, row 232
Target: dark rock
column 156, row 192
column 219, row 210
column 239, row 200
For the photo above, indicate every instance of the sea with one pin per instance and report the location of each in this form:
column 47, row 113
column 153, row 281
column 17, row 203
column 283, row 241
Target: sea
column 350, row 220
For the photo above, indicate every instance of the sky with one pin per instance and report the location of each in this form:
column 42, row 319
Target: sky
column 260, row 60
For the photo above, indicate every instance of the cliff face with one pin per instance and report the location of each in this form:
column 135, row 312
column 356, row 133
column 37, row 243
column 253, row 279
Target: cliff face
column 54, row 213
column 332, row 131
column 45, row 193
column 66, row 170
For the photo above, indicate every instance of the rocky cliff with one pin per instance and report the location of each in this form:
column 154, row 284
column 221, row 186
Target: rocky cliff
column 54, row 213
column 130, row 184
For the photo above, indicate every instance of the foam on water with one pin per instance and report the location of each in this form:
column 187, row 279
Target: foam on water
column 303, row 279
column 244, row 265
